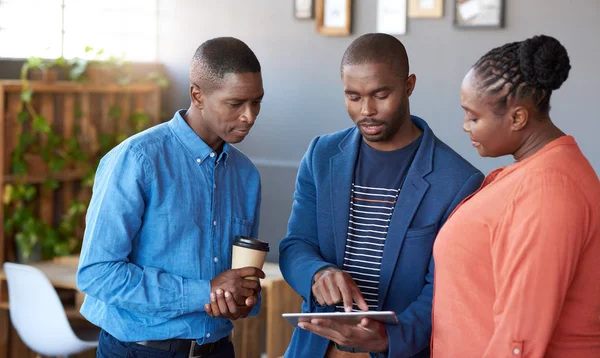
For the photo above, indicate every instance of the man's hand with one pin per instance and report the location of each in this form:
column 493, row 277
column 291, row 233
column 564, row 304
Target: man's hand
column 332, row 286
column 368, row 335
column 222, row 305
column 234, row 282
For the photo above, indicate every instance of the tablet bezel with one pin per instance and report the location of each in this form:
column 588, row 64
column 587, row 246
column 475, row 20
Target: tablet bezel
column 385, row 317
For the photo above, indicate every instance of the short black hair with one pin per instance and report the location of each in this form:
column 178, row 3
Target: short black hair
column 377, row 48
column 532, row 68
column 219, row 56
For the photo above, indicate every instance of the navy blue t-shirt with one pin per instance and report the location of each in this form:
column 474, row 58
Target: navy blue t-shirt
column 378, row 177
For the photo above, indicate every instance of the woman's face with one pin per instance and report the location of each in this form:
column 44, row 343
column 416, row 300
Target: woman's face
column 490, row 133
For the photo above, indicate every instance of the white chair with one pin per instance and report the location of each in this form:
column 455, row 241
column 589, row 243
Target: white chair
column 38, row 315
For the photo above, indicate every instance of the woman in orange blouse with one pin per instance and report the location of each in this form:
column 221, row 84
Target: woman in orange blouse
column 518, row 263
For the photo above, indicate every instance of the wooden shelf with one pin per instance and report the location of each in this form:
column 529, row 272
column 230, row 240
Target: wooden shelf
column 74, row 87
column 67, row 175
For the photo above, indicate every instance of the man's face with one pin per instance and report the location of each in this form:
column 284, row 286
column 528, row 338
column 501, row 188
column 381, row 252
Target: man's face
column 229, row 111
column 377, row 99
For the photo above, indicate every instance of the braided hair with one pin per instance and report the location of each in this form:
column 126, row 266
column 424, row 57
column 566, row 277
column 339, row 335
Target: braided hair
column 526, row 69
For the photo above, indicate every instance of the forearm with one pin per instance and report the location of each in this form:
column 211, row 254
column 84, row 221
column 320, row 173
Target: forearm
column 145, row 290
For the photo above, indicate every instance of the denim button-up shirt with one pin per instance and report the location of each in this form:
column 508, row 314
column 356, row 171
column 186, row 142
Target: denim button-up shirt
column 164, row 211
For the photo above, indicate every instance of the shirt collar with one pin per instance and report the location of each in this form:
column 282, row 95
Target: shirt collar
column 196, row 147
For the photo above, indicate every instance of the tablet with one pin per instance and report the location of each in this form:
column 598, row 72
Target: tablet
column 387, row 317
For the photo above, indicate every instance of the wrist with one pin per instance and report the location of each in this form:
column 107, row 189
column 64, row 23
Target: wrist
column 382, row 352
column 324, row 272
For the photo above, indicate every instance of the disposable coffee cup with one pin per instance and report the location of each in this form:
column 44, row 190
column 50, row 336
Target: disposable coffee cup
column 248, row 251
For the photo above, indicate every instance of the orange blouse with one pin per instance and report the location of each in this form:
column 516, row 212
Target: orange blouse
column 518, row 263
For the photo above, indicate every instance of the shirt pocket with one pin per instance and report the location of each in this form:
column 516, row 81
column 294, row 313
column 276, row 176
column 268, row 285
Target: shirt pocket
column 240, row 227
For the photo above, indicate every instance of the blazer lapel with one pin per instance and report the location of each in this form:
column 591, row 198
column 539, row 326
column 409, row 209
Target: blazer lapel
column 408, row 202
column 342, row 173
column 413, row 191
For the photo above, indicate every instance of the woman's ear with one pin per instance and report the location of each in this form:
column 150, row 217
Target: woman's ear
column 519, row 118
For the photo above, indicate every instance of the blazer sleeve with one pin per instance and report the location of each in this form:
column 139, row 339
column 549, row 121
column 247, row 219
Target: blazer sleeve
column 299, row 253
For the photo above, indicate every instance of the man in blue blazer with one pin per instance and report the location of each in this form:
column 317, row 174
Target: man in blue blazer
column 368, row 204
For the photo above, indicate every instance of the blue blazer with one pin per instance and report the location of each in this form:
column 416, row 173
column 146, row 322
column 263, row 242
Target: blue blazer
column 437, row 181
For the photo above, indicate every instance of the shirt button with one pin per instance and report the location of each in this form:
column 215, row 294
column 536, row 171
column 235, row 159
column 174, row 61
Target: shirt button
column 516, row 351
column 215, row 223
column 198, row 160
column 208, row 335
column 212, row 155
column 214, row 186
column 216, row 259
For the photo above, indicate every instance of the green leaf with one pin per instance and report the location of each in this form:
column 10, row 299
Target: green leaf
column 51, row 184
column 89, row 49
column 22, row 117
column 56, row 164
column 61, row 249
column 19, row 167
column 34, row 62
column 27, row 139
column 46, row 153
column 72, row 143
column 106, row 140
column 9, row 225
column 60, row 61
column 26, row 95
column 29, row 192
column 41, row 125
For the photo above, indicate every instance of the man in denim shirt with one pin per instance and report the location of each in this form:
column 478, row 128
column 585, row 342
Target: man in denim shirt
column 167, row 203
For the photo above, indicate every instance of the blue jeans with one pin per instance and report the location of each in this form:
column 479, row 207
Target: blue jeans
column 110, row 347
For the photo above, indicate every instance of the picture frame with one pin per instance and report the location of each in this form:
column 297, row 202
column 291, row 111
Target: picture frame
column 479, row 13
column 426, row 9
column 392, row 16
column 333, row 17
column 304, row 9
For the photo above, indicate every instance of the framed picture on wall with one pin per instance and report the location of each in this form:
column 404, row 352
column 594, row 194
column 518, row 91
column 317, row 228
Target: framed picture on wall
column 304, row 9
column 426, row 9
column 391, row 17
column 479, row 13
column 333, row 17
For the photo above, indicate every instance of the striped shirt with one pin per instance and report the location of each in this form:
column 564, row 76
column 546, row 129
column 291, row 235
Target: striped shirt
column 377, row 183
